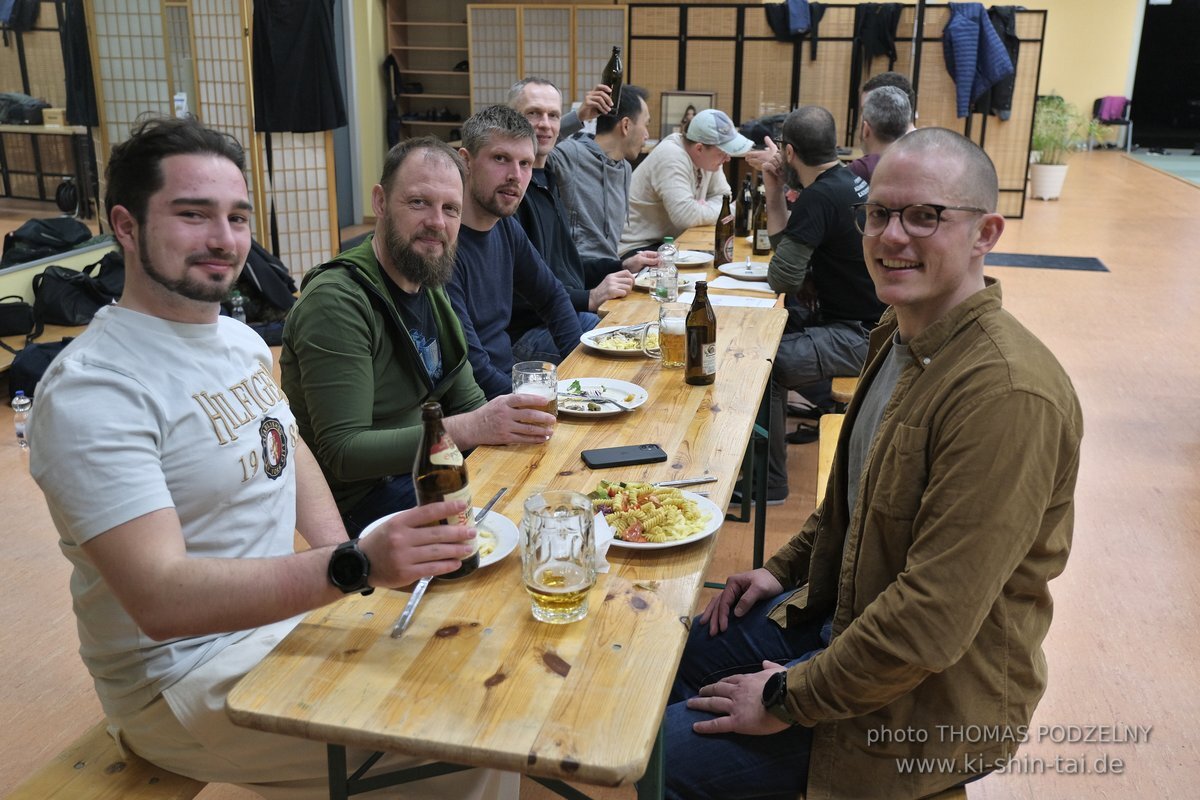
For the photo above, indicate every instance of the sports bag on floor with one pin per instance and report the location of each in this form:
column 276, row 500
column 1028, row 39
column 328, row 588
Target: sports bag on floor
column 63, row 296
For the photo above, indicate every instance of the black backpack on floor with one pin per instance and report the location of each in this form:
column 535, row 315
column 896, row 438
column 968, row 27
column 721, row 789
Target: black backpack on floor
column 38, row 238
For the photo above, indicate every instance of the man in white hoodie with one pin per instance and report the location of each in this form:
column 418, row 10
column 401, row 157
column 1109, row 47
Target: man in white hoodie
column 681, row 182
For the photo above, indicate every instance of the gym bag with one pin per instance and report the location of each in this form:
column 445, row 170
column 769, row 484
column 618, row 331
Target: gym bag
column 63, row 296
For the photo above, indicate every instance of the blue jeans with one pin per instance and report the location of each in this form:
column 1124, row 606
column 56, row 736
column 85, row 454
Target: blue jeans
column 810, row 356
column 727, row 766
column 391, row 494
column 536, row 344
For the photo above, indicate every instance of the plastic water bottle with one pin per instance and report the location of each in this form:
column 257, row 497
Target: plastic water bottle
column 21, row 406
column 666, row 287
column 237, row 306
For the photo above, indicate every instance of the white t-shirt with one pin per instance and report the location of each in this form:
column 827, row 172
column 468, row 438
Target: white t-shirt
column 140, row 414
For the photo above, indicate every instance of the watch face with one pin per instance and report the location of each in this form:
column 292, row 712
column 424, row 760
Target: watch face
column 347, row 568
column 774, row 688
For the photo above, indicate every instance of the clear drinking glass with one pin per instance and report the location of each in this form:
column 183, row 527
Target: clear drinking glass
column 672, row 335
column 558, row 555
column 539, row 379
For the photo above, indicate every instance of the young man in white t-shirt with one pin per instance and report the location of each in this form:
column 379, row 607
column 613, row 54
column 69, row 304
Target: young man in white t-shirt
column 175, row 477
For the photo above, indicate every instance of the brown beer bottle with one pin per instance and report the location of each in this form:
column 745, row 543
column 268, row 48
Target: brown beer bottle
column 439, row 473
column 701, row 363
column 745, row 210
column 723, row 249
column 614, row 78
column 762, row 239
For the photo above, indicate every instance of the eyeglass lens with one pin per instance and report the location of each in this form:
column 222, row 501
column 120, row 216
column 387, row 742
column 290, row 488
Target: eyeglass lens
column 918, row 220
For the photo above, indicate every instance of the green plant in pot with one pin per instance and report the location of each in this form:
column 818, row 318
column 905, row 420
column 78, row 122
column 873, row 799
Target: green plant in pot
column 1057, row 128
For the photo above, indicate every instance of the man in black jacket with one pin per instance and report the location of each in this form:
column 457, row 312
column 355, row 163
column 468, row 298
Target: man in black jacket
column 541, row 215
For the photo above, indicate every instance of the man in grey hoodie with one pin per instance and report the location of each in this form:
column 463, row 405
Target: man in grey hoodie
column 593, row 175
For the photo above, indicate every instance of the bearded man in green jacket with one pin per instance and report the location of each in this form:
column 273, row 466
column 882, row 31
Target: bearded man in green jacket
column 373, row 336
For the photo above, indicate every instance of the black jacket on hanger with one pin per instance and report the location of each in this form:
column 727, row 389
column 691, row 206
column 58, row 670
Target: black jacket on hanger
column 296, row 83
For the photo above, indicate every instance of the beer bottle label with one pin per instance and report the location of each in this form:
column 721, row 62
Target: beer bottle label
column 446, row 453
column 728, row 249
column 762, row 239
column 709, row 358
column 463, row 517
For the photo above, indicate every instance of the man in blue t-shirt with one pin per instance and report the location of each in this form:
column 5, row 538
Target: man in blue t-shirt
column 495, row 260
column 818, row 264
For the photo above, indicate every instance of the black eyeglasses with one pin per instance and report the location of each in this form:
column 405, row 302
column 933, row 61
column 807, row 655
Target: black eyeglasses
column 919, row 220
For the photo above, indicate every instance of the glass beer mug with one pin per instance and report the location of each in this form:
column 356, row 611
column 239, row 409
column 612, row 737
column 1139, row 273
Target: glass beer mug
column 558, row 555
column 671, row 328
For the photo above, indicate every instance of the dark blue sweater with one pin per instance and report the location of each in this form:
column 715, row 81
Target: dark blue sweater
column 489, row 268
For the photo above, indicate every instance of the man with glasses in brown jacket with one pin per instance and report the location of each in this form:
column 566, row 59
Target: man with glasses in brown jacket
column 896, row 640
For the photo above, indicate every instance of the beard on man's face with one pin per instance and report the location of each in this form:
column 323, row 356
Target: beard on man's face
column 497, row 204
column 420, row 269
column 791, row 178
column 211, row 290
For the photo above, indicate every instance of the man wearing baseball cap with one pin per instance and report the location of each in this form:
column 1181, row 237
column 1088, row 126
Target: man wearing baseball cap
column 680, row 184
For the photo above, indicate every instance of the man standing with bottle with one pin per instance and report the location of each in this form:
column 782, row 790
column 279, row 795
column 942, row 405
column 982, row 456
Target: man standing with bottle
column 180, row 521
column 682, row 182
column 589, row 283
column 818, row 263
column 593, row 174
column 373, row 335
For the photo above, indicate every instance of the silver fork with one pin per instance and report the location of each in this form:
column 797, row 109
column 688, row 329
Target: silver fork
column 410, row 607
column 594, row 394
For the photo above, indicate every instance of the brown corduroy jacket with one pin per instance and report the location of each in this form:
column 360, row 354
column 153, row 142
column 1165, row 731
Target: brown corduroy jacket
column 938, row 584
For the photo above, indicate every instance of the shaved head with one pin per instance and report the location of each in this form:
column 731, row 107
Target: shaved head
column 973, row 183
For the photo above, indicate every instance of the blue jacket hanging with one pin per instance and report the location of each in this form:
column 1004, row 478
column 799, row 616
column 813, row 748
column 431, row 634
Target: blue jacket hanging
column 975, row 55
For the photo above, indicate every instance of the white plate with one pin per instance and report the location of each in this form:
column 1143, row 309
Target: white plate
column 608, row 387
column 588, row 340
column 642, row 281
column 715, row 518
column 757, row 271
column 498, row 524
column 692, row 258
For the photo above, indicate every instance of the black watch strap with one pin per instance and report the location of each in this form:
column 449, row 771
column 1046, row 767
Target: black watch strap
column 774, row 697
column 349, row 568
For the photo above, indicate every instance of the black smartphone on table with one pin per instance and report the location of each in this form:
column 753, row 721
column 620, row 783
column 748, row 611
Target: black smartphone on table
column 624, row 456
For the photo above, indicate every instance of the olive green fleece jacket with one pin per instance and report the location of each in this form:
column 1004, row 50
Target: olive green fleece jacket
column 353, row 376
column 938, row 583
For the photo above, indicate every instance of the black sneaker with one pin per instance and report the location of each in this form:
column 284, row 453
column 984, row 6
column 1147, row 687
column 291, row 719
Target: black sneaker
column 776, row 496
column 804, row 434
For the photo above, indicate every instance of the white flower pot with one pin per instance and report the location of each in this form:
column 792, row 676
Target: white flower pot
column 1046, row 180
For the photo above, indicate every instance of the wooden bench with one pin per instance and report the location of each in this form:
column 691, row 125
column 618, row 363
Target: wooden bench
column 842, row 389
column 91, row 768
column 957, row 793
column 830, row 426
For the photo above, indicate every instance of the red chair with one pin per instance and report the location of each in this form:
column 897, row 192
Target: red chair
column 1114, row 110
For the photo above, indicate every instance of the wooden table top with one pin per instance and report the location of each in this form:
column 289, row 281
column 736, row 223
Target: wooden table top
column 476, row 680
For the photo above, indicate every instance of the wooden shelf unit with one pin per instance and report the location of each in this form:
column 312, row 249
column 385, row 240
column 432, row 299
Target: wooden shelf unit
column 428, row 40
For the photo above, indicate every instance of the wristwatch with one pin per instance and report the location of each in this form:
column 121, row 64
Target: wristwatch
column 774, row 694
column 349, row 568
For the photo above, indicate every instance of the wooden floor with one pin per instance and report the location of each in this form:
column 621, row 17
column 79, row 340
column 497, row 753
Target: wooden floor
column 1123, row 650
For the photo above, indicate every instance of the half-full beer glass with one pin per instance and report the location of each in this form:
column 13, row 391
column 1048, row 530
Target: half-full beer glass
column 558, row 555
column 538, row 379
column 672, row 329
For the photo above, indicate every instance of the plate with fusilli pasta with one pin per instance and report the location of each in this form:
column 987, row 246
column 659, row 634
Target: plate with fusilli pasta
column 646, row 517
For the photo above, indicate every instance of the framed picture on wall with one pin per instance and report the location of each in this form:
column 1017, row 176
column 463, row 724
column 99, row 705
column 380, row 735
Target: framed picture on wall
column 677, row 107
